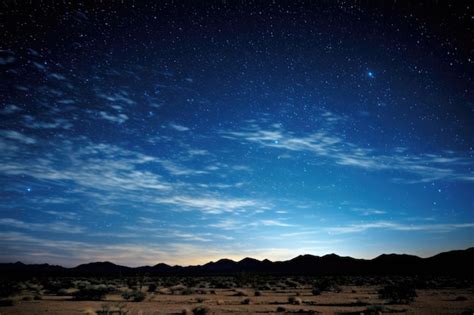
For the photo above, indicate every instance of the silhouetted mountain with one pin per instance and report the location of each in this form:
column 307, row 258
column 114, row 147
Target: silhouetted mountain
column 39, row 270
column 101, row 268
column 458, row 262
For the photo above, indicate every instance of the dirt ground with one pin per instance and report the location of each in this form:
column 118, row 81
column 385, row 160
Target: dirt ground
column 351, row 300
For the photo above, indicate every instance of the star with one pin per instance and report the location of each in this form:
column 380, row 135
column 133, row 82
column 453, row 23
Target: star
column 370, row 74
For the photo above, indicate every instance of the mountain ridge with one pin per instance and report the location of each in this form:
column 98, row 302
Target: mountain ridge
column 455, row 262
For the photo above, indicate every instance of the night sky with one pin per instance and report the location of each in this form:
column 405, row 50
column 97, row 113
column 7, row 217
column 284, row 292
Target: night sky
column 188, row 131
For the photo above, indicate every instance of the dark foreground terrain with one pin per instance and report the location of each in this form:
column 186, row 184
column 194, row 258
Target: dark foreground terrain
column 442, row 284
column 242, row 294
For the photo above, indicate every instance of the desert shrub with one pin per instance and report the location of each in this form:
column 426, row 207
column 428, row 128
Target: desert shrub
column 375, row 309
column 62, row 292
column 135, row 296
column 245, row 301
column 240, row 293
column 280, row 309
column 37, row 297
column 460, row 298
column 115, row 309
column 152, row 287
column 200, row 300
column 27, row 298
column 132, row 283
column 201, row 310
column 316, row 291
column 258, row 293
column 187, row 291
column 81, row 284
column 294, row 300
column 266, row 287
column 138, row 296
column 7, row 302
column 8, row 289
column 53, row 286
column 398, row 293
column 92, row 292
column 291, row 283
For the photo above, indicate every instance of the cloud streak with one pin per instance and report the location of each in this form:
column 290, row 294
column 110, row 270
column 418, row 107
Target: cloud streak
column 424, row 167
column 394, row 226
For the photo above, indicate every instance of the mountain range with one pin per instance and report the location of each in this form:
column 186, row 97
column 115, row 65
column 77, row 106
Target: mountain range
column 456, row 262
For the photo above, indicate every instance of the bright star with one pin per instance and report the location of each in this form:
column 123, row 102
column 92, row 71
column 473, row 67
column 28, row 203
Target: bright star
column 370, row 74
column 28, row 189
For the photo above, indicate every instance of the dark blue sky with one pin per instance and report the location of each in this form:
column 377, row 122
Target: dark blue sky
column 181, row 132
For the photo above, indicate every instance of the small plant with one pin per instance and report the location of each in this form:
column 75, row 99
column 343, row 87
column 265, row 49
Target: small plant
column 7, row 302
column 138, row 296
column 258, row 293
column 201, row 310
column 316, row 291
column 8, row 289
column 280, row 309
column 187, row 291
column 92, row 293
column 152, row 287
column 37, row 297
column 62, row 292
column 135, row 296
column 117, row 309
column 245, row 301
column 375, row 309
column 240, row 293
column 294, row 300
column 399, row 293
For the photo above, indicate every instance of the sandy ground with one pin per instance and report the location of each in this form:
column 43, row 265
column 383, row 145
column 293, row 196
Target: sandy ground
column 441, row 301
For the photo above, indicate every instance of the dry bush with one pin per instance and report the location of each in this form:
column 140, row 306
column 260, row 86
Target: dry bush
column 7, row 302
column 295, row 300
column 398, row 293
column 201, row 310
column 240, row 293
column 246, row 301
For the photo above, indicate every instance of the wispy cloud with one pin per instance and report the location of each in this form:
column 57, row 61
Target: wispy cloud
column 387, row 225
column 326, row 143
column 179, row 170
column 10, row 109
column 210, row 204
column 368, row 211
column 58, row 227
column 274, row 223
column 17, row 136
column 56, row 123
column 69, row 215
column 177, row 127
column 115, row 118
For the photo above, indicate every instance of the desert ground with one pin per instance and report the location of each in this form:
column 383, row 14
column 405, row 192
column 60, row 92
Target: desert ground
column 234, row 295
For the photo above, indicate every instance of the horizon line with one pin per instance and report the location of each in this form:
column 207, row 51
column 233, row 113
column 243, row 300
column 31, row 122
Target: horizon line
column 236, row 261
